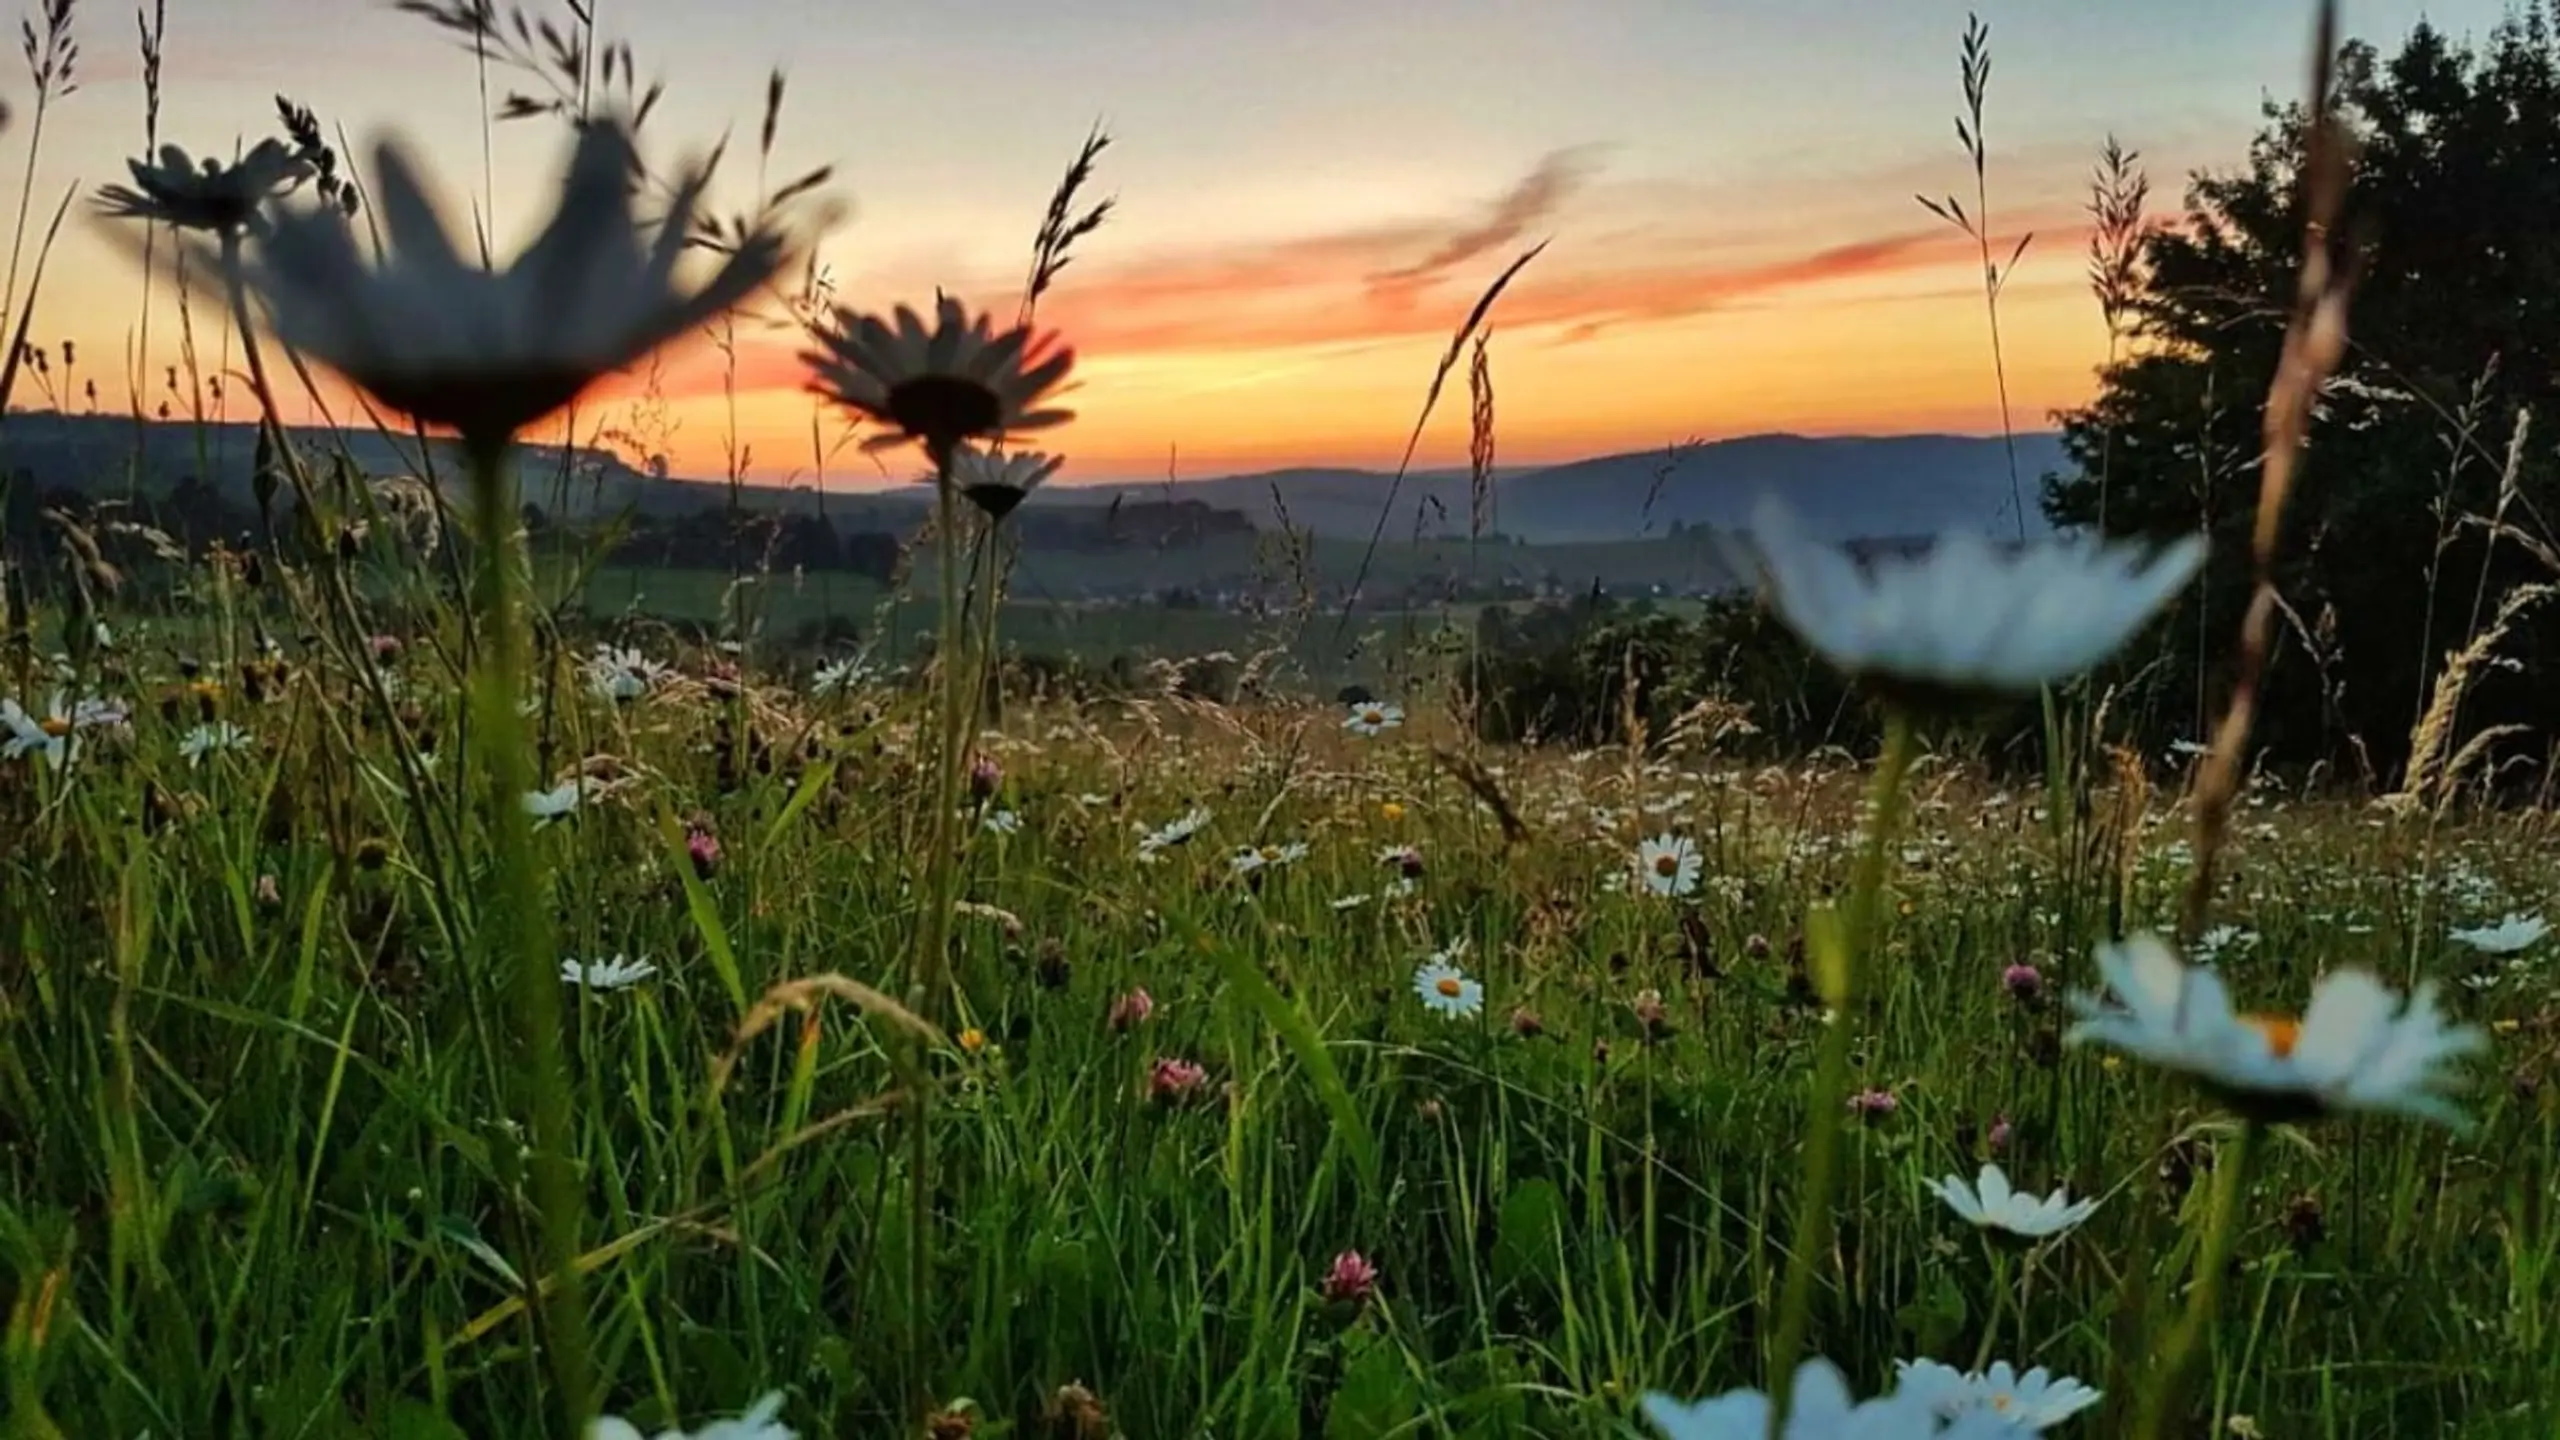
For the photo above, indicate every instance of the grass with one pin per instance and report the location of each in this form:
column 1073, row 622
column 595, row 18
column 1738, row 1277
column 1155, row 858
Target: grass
column 260, row 1176
column 998, row 1118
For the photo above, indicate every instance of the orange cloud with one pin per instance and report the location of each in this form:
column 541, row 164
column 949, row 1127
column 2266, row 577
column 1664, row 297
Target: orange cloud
column 1339, row 291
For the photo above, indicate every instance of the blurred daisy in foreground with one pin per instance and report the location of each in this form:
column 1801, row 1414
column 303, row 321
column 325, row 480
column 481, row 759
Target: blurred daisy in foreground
column 1446, row 990
column 618, row 973
column 957, row 381
column 1372, row 718
column 1670, row 864
column 2034, row 1402
column 217, row 738
column 557, row 802
column 2357, row 1047
column 1176, row 832
column 2509, row 936
column 1965, row 620
column 1991, row 1204
column 762, row 1421
column 1002, row 822
column 1822, row 1410
column 54, row 735
column 487, row 352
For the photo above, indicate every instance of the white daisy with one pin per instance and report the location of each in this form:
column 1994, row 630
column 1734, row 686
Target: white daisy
column 762, row 1421
column 1446, row 990
column 1965, row 618
column 55, row 734
column 552, row 804
column 2509, row 936
column 997, row 483
column 1670, row 864
column 622, row 675
column 1248, row 859
column 2034, row 1402
column 434, row 335
column 1002, row 822
column 211, row 739
column 619, row 973
column 1176, row 832
column 1992, row 1205
column 839, row 677
column 2357, row 1047
column 1350, row 902
column 1373, row 718
column 1822, row 1410
column 957, row 381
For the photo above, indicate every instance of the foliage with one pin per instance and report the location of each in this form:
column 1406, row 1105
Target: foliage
column 2457, row 331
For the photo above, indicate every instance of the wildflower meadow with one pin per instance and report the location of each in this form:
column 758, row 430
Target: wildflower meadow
column 428, row 1010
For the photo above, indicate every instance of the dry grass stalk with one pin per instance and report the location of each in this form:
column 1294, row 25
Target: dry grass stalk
column 1430, row 401
column 2427, row 775
column 2315, row 339
column 1481, row 783
column 803, row 995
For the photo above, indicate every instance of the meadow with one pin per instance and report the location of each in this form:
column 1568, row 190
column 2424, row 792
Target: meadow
column 451, row 1006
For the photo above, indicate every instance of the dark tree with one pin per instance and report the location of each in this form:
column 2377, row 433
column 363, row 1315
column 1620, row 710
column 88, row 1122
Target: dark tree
column 2456, row 329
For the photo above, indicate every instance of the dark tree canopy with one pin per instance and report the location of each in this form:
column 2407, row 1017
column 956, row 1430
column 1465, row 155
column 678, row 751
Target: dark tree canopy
column 2453, row 227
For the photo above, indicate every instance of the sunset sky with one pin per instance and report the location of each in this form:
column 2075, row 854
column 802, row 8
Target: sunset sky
column 1312, row 194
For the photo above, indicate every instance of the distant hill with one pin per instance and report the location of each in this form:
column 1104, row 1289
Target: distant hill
column 1842, row 488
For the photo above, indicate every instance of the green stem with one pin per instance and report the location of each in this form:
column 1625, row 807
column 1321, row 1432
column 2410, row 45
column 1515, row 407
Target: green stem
column 2222, row 1232
column 518, row 934
column 1831, row 1072
column 928, row 971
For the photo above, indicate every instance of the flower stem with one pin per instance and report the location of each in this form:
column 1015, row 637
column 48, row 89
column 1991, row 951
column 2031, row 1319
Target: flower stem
column 928, row 971
column 2222, row 1231
column 518, row 933
column 1831, row 1072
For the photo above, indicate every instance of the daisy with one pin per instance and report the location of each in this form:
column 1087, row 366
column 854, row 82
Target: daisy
column 555, row 803
column 1964, row 619
column 618, row 973
column 762, row 1421
column 1670, row 864
column 1350, row 902
column 1002, row 822
column 839, row 677
column 622, row 675
column 208, row 195
column 1373, row 718
column 1446, row 990
column 436, row 336
column 1991, row 1204
column 957, row 381
column 55, row 734
column 211, row 739
column 2034, row 1402
column 2507, row 937
column 2358, row 1046
column 997, row 483
column 1822, row 1410
column 1176, row 832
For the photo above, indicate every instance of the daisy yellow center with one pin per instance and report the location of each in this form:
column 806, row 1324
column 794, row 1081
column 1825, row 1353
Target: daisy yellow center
column 1666, row 866
column 1450, row 986
column 2004, row 1403
column 1391, row 811
column 2282, row 1032
column 1373, row 717
column 55, row 726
